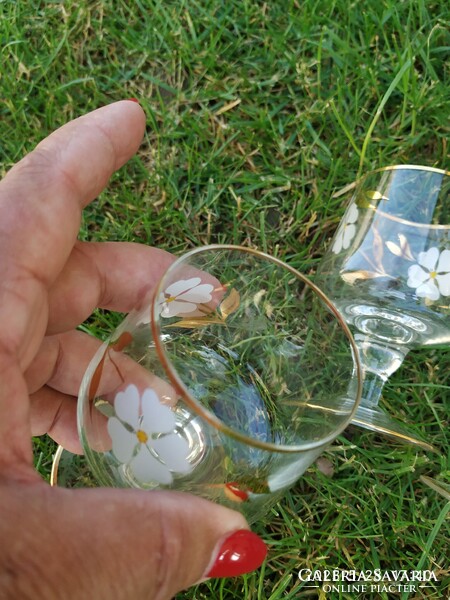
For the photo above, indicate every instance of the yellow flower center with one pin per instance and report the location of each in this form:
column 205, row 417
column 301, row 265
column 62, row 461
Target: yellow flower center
column 170, row 299
column 433, row 274
column 141, row 436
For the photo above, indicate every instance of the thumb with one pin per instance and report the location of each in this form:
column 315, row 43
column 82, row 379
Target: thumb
column 120, row 544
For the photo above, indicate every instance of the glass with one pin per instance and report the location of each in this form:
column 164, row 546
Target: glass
column 227, row 385
column 388, row 272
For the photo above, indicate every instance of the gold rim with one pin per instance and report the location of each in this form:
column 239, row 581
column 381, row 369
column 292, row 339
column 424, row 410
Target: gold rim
column 351, row 186
column 207, row 415
column 55, row 466
column 409, row 167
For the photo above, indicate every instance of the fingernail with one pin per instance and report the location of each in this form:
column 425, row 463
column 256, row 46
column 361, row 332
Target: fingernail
column 133, row 100
column 241, row 552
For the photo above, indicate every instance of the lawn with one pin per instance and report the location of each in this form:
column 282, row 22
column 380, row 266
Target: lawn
column 258, row 113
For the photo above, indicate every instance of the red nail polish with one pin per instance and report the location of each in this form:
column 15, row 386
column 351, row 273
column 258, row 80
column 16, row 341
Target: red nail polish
column 133, row 100
column 241, row 552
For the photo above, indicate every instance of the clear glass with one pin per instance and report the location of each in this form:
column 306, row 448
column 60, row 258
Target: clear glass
column 227, row 385
column 388, row 272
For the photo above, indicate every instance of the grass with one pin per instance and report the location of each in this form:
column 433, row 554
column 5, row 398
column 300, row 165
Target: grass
column 257, row 113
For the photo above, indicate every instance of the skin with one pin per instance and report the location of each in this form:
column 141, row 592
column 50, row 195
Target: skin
column 86, row 543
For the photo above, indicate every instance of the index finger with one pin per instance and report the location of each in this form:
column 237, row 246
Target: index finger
column 41, row 200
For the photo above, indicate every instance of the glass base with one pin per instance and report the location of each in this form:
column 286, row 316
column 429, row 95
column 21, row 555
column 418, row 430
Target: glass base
column 378, row 421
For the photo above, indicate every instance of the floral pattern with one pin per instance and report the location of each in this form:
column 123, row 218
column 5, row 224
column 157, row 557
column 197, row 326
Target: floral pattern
column 179, row 298
column 143, row 437
column 184, row 296
column 431, row 275
column 347, row 230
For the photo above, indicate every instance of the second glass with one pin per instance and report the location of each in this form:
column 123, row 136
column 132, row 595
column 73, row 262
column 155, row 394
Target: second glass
column 388, row 271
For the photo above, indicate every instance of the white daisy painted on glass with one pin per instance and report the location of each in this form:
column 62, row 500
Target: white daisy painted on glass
column 143, row 437
column 347, row 230
column 179, row 298
column 431, row 276
column 184, row 296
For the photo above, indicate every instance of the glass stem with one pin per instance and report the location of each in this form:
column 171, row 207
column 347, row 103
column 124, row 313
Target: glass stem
column 379, row 361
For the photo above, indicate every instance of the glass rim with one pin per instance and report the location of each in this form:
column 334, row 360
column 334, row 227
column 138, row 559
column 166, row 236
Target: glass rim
column 208, row 415
column 409, row 167
column 360, row 182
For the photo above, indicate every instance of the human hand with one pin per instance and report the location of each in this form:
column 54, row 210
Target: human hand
column 86, row 543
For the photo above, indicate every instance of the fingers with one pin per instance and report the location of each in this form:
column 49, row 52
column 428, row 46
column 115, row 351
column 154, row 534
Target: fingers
column 40, row 206
column 15, row 447
column 54, row 413
column 141, row 544
column 41, row 199
column 54, row 379
column 61, row 362
column 117, row 276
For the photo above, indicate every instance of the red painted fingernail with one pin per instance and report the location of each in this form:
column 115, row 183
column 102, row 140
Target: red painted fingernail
column 133, row 100
column 241, row 552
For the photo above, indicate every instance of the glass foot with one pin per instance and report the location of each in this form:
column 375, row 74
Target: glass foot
column 376, row 420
